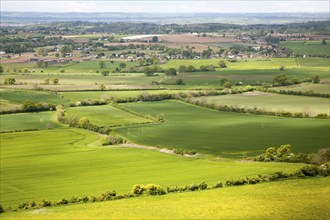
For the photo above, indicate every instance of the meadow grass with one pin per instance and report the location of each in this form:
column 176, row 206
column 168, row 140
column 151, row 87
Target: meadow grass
column 287, row 199
column 272, row 102
column 305, row 87
column 245, row 64
column 28, row 121
column 105, row 115
column 307, row 47
column 224, row 133
column 103, row 95
column 61, row 163
column 19, row 96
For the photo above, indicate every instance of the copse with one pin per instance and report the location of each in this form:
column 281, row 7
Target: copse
column 170, row 72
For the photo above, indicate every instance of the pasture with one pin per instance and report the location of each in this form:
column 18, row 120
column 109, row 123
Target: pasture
column 272, row 102
column 19, row 96
column 61, row 163
column 224, row 133
column 314, row 48
column 288, row 199
column 105, row 115
column 78, row 96
column 305, row 87
column 28, row 121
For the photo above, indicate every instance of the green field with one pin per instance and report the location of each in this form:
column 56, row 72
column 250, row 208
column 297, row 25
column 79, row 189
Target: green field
column 105, row 115
column 307, row 47
column 78, row 96
column 224, row 133
column 306, row 87
column 19, row 96
column 61, row 163
column 288, row 199
column 28, row 121
column 272, row 102
column 273, row 63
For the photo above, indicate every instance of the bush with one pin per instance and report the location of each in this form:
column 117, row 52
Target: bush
column 1, row 209
column 45, row 203
column 138, row 189
column 202, row 186
column 153, row 189
column 310, row 170
column 218, row 185
column 193, row 187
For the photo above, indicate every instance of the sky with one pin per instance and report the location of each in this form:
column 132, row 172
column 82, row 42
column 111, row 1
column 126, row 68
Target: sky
column 220, row 6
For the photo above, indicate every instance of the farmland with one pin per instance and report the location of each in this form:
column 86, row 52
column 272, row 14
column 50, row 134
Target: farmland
column 105, row 115
column 249, row 202
column 272, row 102
column 221, row 133
column 225, row 121
column 67, row 162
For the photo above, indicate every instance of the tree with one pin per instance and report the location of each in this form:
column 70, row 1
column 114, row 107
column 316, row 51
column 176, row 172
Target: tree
column 83, row 122
column 154, row 39
column 122, row 65
column 55, row 80
column 148, row 71
column 222, row 64
column 141, row 62
column 170, row 72
column 191, row 68
column 102, row 64
column 282, row 68
column 102, row 87
column 10, row 81
column 29, row 106
column 179, row 82
column 65, row 49
column 227, row 85
column 105, row 73
column 182, row 69
column 223, row 80
column 323, row 42
column 1, row 69
column 46, row 81
column 316, row 79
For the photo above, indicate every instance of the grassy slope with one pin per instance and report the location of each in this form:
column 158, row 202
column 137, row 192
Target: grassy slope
column 78, row 96
column 105, row 115
column 289, row 199
column 56, row 164
column 307, row 47
column 24, row 121
column 224, row 133
column 273, row 102
column 19, row 96
column 317, row 88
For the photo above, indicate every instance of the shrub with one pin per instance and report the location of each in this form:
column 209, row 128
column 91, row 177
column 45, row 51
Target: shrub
column 202, row 186
column 1, row 209
column 153, row 189
column 193, row 187
column 218, row 185
column 10, row 81
column 138, row 189
column 45, row 203
column 310, row 170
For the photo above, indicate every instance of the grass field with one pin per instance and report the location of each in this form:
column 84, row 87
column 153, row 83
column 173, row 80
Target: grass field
column 105, row 115
column 61, row 163
column 305, row 87
column 224, row 133
column 19, row 96
column 307, row 47
column 272, row 102
column 288, row 199
column 25, row 121
column 78, row 96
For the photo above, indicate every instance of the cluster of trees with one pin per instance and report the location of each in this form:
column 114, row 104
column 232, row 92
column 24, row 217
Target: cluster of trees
column 10, row 81
column 285, row 154
column 284, row 80
column 54, row 80
column 112, row 140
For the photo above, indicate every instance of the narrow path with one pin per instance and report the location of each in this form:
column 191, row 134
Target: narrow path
column 162, row 150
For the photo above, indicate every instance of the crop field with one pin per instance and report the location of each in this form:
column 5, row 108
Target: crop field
column 19, row 96
column 28, row 121
column 78, row 96
column 262, row 201
column 105, row 115
column 307, row 47
column 223, row 133
column 272, row 102
column 66, row 162
column 305, row 87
